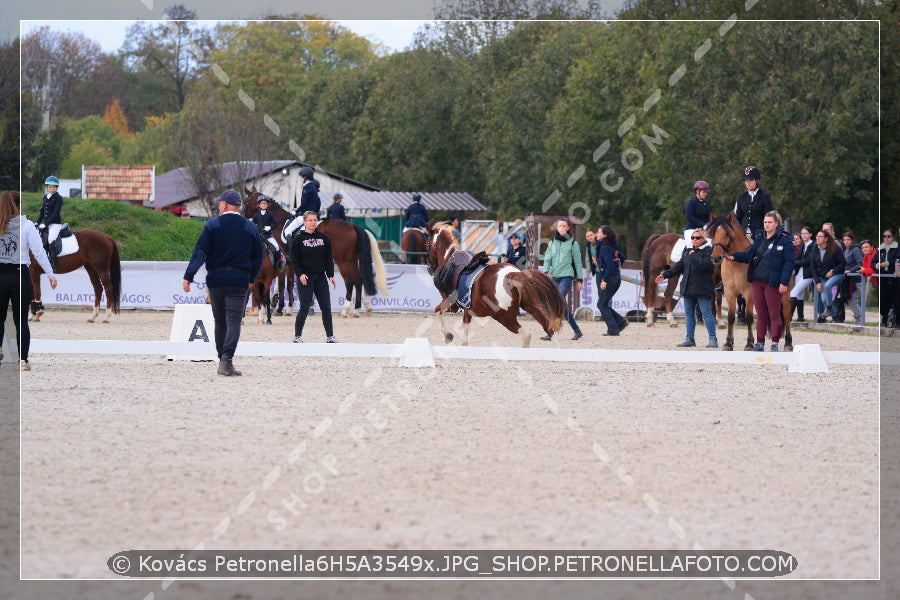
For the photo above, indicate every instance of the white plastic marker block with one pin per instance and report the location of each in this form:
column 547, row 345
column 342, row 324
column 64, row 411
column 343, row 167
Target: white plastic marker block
column 8, row 355
column 417, row 353
column 808, row 358
column 193, row 323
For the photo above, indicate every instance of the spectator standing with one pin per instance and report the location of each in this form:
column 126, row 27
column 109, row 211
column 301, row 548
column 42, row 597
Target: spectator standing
column 609, row 264
column 230, row 247
column 18, row 241
column 870, row 257
column 753, row 204
column 50, row 218
column 562, row 261
column 827, row 265
column 697, row 287
column 516, row 256
column 771, row 260
column 888, row 283
column 803, row 246
column 853, row 256
column 336, row 211
column 590, row 250
column 313, row 261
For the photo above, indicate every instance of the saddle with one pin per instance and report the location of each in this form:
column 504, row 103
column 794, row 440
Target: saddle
column 450, row 276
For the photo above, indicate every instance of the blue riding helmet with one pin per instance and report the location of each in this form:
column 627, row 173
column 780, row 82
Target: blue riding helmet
column 52, row 180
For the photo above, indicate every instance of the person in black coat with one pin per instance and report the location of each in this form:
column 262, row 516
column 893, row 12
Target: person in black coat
column 886, row 259
column 697, row 287
column 802, row 275
column 336, row 211
column 752, row 206
column 771, row 259
column 827, row 265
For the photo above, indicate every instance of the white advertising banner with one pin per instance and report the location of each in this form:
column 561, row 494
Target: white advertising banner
column 157, row 286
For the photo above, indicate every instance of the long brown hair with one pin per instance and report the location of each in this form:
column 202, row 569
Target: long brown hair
column 9, row 208
column 830, row 245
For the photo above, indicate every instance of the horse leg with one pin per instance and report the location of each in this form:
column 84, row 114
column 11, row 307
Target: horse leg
column 438, row 310
column 37, row 308
column 786, row 319
column 650, row 303
column 732, row 317
column 466, row 320
column 748, row 317
column 368, row 304
column 279, row 295
column 98, row 291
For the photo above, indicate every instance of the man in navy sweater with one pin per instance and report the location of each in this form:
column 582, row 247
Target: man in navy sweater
column 232, row 250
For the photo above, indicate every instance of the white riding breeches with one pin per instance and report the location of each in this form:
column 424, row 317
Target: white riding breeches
column 53, row 232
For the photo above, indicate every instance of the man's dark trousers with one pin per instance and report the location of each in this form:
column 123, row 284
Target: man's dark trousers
column 228, row 309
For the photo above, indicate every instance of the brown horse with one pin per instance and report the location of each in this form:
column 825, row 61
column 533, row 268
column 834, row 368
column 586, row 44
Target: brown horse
column 728, row 237
column 498, row 291
column 655, row 257
column 355, row 253
column 99, row 255
column 412, row 246
column 261, row 288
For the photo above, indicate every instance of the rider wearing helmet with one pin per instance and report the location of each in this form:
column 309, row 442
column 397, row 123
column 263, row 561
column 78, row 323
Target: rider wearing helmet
column 416, row 213
column 266, row 222
column 752, row 205
column 309, row 201
column 336, row 211
column 49, row 221
column 697, row 212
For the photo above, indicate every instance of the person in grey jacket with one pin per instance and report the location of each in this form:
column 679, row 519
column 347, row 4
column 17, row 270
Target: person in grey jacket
column 697, row 287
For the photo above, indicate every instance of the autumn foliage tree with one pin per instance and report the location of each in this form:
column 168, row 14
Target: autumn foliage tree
column 114, row 116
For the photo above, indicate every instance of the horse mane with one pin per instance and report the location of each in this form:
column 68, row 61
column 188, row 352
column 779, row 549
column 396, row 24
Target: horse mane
column 727, row 220
column 446, row 230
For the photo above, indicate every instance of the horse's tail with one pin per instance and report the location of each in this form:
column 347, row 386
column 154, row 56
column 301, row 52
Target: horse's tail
column 368, row 247
column 540, row 298
column 115, row 277
column 645, row 258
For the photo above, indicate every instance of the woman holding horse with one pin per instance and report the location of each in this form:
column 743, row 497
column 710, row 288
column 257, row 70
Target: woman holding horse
column 697, row 287
column 771, row 259
column 562, row 261
column 609, row 263
column 827, row 265
column 18, row 241
column 312, row 259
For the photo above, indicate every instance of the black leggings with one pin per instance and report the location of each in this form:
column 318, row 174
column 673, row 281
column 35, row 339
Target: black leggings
column 15, row 286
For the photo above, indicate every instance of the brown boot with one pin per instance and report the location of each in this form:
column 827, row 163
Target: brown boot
column 227, row 368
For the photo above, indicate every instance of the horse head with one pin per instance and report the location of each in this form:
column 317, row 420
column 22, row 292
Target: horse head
column 439, row 245
column 726, row 235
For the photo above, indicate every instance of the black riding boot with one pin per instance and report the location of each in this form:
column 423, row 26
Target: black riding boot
column 800, row 318
column 793, row 307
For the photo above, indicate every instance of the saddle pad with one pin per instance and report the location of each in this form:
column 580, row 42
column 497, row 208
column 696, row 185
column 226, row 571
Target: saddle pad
column 677, row 250
column 69, row 245
column 464, row 286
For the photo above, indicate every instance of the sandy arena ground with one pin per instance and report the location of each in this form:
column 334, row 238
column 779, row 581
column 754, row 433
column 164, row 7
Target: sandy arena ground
column 137, row 452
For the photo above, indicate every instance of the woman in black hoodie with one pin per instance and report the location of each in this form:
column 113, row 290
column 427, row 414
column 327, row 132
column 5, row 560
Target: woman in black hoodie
column 314, row 264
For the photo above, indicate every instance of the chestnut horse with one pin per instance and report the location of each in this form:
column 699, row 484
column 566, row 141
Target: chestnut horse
column 498, row 292
column 655, row 258
column 355, row 253
column 261, row 289
column 412, row 246
column 99, row 255
column 728, row 237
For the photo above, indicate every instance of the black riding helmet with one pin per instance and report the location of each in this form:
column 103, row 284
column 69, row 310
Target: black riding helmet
column 750, row 172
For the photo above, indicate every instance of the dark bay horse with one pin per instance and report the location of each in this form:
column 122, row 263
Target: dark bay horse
column 498, row 291
column 728, row 237
column 99, row 255
column 412, row 246
column 355, row 253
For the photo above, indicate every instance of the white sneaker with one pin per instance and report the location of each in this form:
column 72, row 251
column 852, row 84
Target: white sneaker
column 298, row 340
column 24, row 366
column 330, row 340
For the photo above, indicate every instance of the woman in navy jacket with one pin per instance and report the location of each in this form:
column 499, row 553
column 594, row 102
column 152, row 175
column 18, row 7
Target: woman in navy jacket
column 827, row 264
column 771, row 259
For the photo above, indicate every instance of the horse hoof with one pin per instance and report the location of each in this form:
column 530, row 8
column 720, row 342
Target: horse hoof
column 727, row 348
column 354, row 316
column 673, row 325
column 105, row 321
column 91, row 320
column 369, row 312
column 448, row 337
column 279, row 314
column 343, row 316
